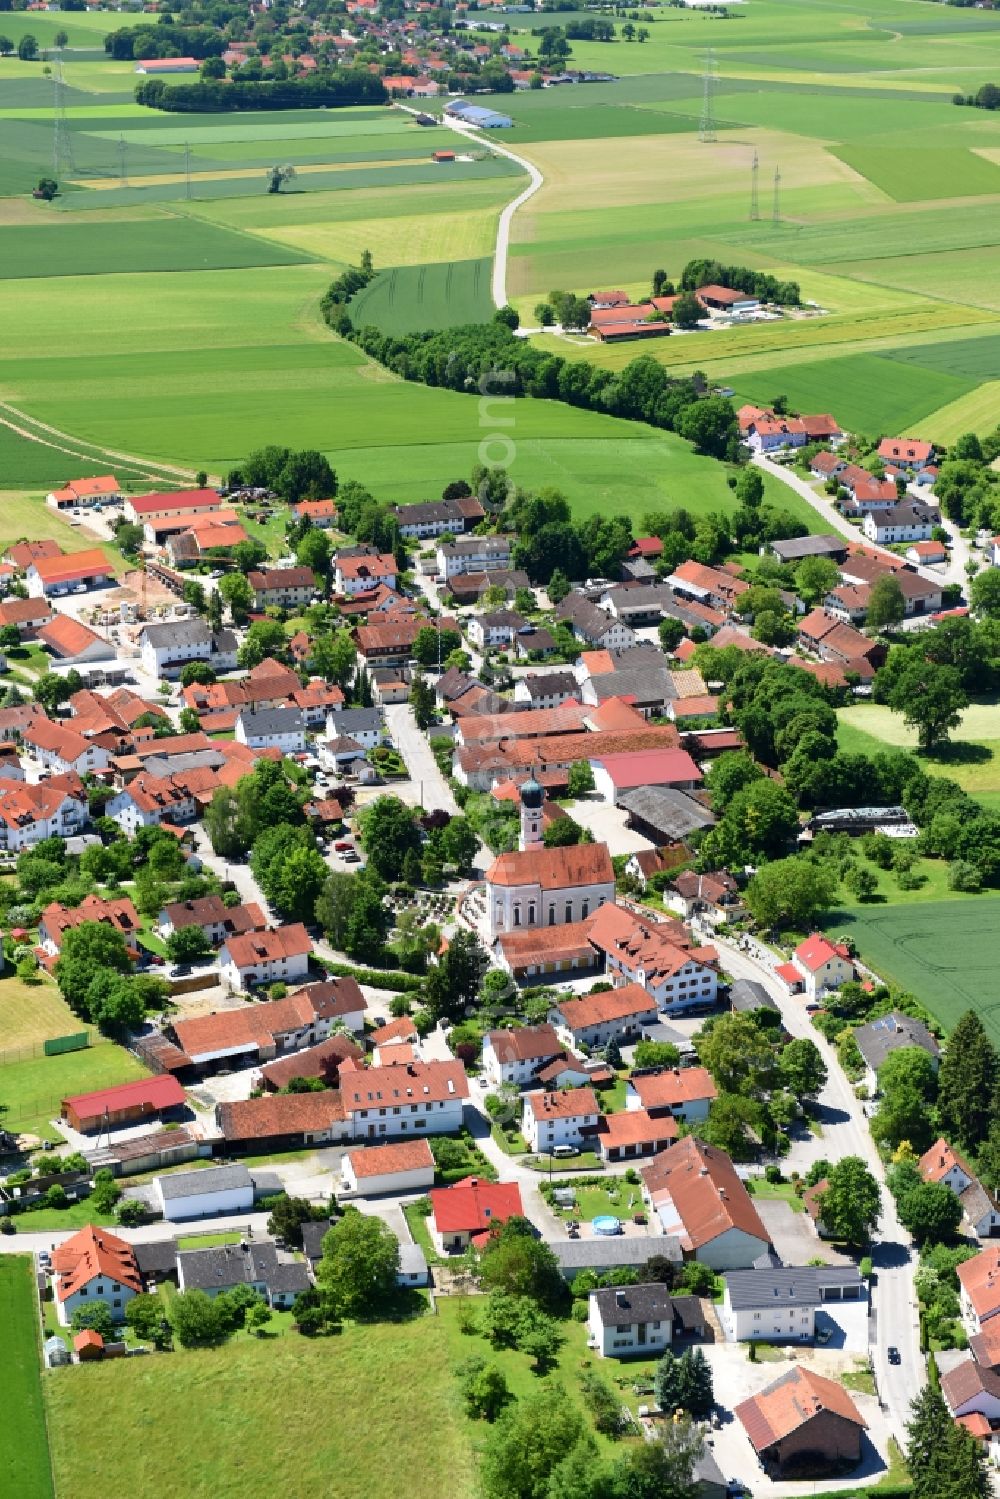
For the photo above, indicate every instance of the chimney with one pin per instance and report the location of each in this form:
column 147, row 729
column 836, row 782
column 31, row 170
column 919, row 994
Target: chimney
column 473, row 1181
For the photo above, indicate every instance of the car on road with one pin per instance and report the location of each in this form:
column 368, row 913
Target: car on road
column 893, row 1354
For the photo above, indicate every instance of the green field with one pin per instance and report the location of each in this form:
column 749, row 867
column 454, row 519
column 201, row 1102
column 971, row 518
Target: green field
column 943, row 952
column 325, row 1410
column 25, row 1472
column 410, row 299
column 972, row 759
column 31, row 1090
column 161, row 244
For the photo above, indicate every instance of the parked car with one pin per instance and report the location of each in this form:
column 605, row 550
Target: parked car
column 894, row 1355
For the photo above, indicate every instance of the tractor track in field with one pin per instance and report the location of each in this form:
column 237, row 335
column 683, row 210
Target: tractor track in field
column 84, row 452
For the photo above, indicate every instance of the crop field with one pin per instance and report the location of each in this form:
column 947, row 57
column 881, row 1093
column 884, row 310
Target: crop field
column 286, row 1387
column 161, row 244
column 409, row 299
column 943, row 952
column 25, row 1470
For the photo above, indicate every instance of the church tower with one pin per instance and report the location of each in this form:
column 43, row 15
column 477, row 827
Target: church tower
column 532, row 798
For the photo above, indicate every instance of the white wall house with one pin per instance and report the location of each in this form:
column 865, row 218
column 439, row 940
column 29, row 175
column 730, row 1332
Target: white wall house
column 376, row 1170
column 272, row 728
column 593, row 1020
column 210, row 1193
column 163, row 649
column 824, row 966
column 780, row 1304
column 554, row 1119
column 898, row 523
column 92, row 1266
column 625, row 1321
column 473, row 554
column 281, row 956
column 515, row 1056
column 415, row 1098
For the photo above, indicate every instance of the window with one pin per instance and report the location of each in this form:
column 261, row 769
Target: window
column 531, row 913
column 569, row 910
column 517, row 915
column 585, row 910
column 552, row 915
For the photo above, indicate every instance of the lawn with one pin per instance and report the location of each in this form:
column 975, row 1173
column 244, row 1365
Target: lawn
column 25, row 1472
column 207, row 1241
column 33, row 1090
column 942, row 951
column 972, row 759
column 31, row 1013
column 326, row 1410
column 77, row 1215
column 775, row 1192
column 933, row 874
column 616, row 1198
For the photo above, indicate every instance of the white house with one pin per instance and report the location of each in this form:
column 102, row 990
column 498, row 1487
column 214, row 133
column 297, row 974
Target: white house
column 355, row 575
column 464, row 1213
column 675, row 975
column 210, row 1193
column 593, row 1020
column 624, row 1321
column 685, row 1092
column 163, row 649
column 906, row 452
column 566, row 1118
column 272, row 728
column 374, row 1170
column 365, row 726
column 970, row 1390
column 779, row 1304
column 516, row 1056
column 416, row 1098
column 542, row 887
column 60, row 748
column 412, row 1266
column 942, row 1164
column 148, row 801
column 254, row 1263
column 279, row 956
column 899, row 523
column 824, row 965
column 979, row 1289
column 499, row 627
column 473, row 554
column 94, row 1266
column 30, row 813
column 76, row 572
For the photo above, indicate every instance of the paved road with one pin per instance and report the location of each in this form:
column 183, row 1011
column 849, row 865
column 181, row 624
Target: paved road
column 845, row 1132
column 507, row 215
column 413, row 745
column 24, row 1243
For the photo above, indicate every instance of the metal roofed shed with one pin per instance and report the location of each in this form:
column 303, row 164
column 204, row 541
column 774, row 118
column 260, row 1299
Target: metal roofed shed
column 895, row 822
column 476, row 114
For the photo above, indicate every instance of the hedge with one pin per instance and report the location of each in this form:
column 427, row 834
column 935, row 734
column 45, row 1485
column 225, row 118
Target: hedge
column 377, row 978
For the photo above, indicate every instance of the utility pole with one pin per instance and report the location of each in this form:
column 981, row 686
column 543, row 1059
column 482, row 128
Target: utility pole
column 123, row 162
column 776, row 210
column 706, row 130
column 754, row 201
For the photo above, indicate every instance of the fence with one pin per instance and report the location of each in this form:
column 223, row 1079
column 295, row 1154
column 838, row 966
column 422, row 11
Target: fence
column 32, row 1049
column 56, row 1045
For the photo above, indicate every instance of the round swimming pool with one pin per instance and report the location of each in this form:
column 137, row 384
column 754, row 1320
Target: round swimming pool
column 605, row 1226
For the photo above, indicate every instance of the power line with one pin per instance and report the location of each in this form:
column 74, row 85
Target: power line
column 187, row 170
column 776, row 210
column 706, row 130
column 62, row 139
column 123, row 161
column 754, row 202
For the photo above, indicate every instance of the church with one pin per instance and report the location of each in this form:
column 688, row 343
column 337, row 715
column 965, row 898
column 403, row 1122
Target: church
column 538, row 887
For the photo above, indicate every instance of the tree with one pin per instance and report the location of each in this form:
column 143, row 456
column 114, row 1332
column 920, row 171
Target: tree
column 27, row 48
column 315, row 550
column 334, row 657
column 515, row 1262
column 187, row 944
column 558, row 586
column 235, row 591
column 97, row 1317
column 861, row 881
column 258, row 1316
column 265, row 638
column 530, row 1439
column 733, row 1125
column 484, row 1389
column 815, row 577
column 52, row 690
column 563, row 833
column 453, row 983
column 687, row 311
column 106, row 1191
column 6, row 46
column 886, row 605
column 460, row 844
column 931, row 1211
column 850, row 1204
column 146, row 1315
column 197, row 1319
column 802, row 1068
column 388, row 831
column 760, row 821
column 945, row 1462
column 671, row 633
column 580, row 779
column 791, row 893
column 130, row 1212
column 88, row 950
column 697, row 1392
column 739, row 1055
column 984, row 593
column 422, row 701
column 663, row 1469
column 750, row 487
column 357, row 1273
column 903, row 1115
column 287, row 1215
column 909, row 1067
column 278, row 176
column 426, row 649
column 198, row 673
column 48, row 187
column 931, row 699
column 967, row 1083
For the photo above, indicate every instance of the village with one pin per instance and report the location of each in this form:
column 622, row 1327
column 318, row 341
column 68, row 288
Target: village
column 401, row 863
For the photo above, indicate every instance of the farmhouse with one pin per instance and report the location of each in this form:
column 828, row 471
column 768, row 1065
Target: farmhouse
column 565, row 1118
column 656, row 957
column 697, row 1197
column 50, row 577
column 803, row 1422
column 727, row 300
column 260, row 1032
column 593, row 1020
column 322, row 1061
column 160, row 65
column 104, row 490
column 414, row 1097
column 373, row 1170
column 282, row 1121
column 73, row 642
column 182, row 502
column 464, row 1213
column 354, row 575
column 900, row 523
column 617, row 774
column 906, row 452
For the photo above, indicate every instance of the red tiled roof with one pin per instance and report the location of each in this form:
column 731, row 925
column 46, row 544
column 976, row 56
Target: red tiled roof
column 474, row 1205
column 605, row 1006
column 402, row 1029
column 383, row 1160
column 907, row 449
column 666, row 767
column 815, row 952
column 247, row 949
column 91, row 1253
column 277, row 1114
column 418, row 1082
column 90, row 564
column 705, row 1192
column 570, row 1103
column 785, row 1406
column 554, row 868
column 679, row 1086
column 528, row 1044
column 179, row 499
column 67, row 636
column 635, row 1127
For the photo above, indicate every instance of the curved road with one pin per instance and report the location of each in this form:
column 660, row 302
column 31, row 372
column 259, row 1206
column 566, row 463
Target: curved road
column 503, row 227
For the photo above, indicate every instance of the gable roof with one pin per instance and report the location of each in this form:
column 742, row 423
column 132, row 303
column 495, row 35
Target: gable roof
column 381, row 1160
column 790, row 1402
column 622, row 1306
column 530, row 1043
column 980, row 1280
column 815, row 952
column 605, row 1006
column 474, row 1205
column 707, row 1197
column 89, row 564
column 570, row 1103
column 674, row 1088
column 276, row 1114
column 93, row 1253
column 554, row 868
column 416, row 1082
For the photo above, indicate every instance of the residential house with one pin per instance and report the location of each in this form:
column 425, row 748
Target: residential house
column 56, row 808
column 164, row 649
column 779, row 1304
column 321, row 513
column 49, row 577
column 941, row 1163
column 403, row 1166
column 93, row 1266
column 686, row 1093
column 104, row 490
column 803, row 1422
column 465, row 1213
column 256, row 1263
column 282, row 587
column 546, row 689
column 592, row 1020
column 971, row 1390
column 473, row 554
column 354, row 575
column 119, row 914
column 880, row 1038
column 697, row 1197
column 714, row 897
column 630, row 1321
column 715, row 586
column 906, row 453
column 26, row 615
column 365, row 726
column 283, row 729
column 900, row 523
column 434, row 518
column 515, row 1056
column 824, row 965
column 569, row 1118
column 257, row 958
column 210, row 912
column 658, row 957
column 496, row 629
column 592, row 625
column 60, row 748
column 413, row 1098
column 979, row 1290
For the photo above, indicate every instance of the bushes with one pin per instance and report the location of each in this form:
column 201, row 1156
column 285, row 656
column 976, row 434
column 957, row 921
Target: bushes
column 378, row 978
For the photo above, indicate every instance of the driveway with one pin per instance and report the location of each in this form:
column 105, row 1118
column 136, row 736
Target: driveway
column 793, row 1235
column 607, row 825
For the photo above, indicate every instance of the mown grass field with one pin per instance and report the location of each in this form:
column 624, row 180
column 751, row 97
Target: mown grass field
column 31, row 1013
column 25, row 1472
column 162, row 244
column 326, row 1411
column 972, row 759
column 943, row 952
column 32, row 1090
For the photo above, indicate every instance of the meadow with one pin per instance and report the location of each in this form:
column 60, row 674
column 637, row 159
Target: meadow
column 943, row 952
column 972, row 759
column 410, row 299
column 31, row 1013
column 166, row 243
column 31, row 1090
column 25, row 1470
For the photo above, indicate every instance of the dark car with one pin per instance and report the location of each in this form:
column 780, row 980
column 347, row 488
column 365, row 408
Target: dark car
column 894, row 1355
